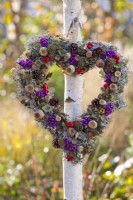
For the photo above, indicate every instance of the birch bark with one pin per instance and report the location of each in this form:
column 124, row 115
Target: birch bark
column 72, row 174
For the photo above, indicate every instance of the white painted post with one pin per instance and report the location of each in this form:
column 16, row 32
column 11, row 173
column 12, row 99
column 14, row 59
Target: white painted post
column 72, row 174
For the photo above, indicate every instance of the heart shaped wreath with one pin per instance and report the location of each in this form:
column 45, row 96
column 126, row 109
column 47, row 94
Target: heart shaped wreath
column 75, row 138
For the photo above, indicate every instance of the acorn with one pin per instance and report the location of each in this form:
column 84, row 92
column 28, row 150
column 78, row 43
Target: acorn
column 80, row 148
column 39, row 114
column 29, row 88
column 117, row 73
column 100, row 63
column 89, row 54
column 93, row 124
column 71, row 132
column 43, row 51
column 113, row 87
column 102, row 102
column 67, row 56
column 58, row 118
column 70, row 69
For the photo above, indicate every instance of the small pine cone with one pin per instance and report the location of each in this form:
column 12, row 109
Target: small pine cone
column 92, row 134
column 73, row 48
column 77, row 125
column 96, row 103
column 54, row 102
column 56, row 143
column 36, row 74
column 101, row 110
column 85, row 150
column 111, row 62
column 97, row 52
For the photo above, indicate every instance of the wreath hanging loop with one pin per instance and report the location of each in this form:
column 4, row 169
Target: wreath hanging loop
column 75, row 138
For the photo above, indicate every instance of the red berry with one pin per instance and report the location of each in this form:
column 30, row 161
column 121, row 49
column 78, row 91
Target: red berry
column 117, row 61
column 105, row 85
column 69, row 158
column 89, row 45
column 117, row 57
column 46, row 59
column 80, row 71
column 69, row 124
column 45, row 87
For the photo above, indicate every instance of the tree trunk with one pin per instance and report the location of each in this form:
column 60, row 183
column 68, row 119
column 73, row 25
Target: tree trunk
column 72, row 174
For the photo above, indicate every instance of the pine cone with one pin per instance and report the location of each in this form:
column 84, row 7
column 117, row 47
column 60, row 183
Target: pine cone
column 97, row 52
column 56, row 143
column 73, row 48
column 96, row 103
column 54, row 102
column 77, row 125
column 61, row 142
column 36, row 74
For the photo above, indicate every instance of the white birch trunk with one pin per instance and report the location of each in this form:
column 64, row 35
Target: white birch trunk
column 72, row 174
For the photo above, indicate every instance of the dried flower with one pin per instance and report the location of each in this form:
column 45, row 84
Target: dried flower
column 85, row 121
column 41, row 94
column 110, row 53
column 25, row 64
column 73, row 48
column 44, row 41
column 70, row 146
column 52, row 121
column 43, row 51
column 72, row 60
column 39, row 114
column 29, row 88
column 108, row 109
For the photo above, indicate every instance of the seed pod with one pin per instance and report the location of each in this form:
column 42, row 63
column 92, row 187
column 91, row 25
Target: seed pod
column 93, row 124
column 117, row 73
column 29, row 88
column 43, row 51
column 100, row 63
column 39, row 114
column 114, row 79
column 113, row 87
column 88, row 54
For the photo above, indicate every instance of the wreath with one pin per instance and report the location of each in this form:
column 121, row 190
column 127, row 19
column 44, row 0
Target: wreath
column 75, row 138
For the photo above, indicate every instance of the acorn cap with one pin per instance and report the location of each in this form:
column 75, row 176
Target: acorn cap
column 39, row 114
column 102, row 102
column 43, row 51
column 100, row 63
column 70, row 69
column 92, row 124
column 58, row 118
column 117, row 73
column 29, row 88
column 89, row 54
column 113, row 87
column 71, row 132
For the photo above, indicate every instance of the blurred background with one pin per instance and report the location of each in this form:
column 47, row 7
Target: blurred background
column 30, row 168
